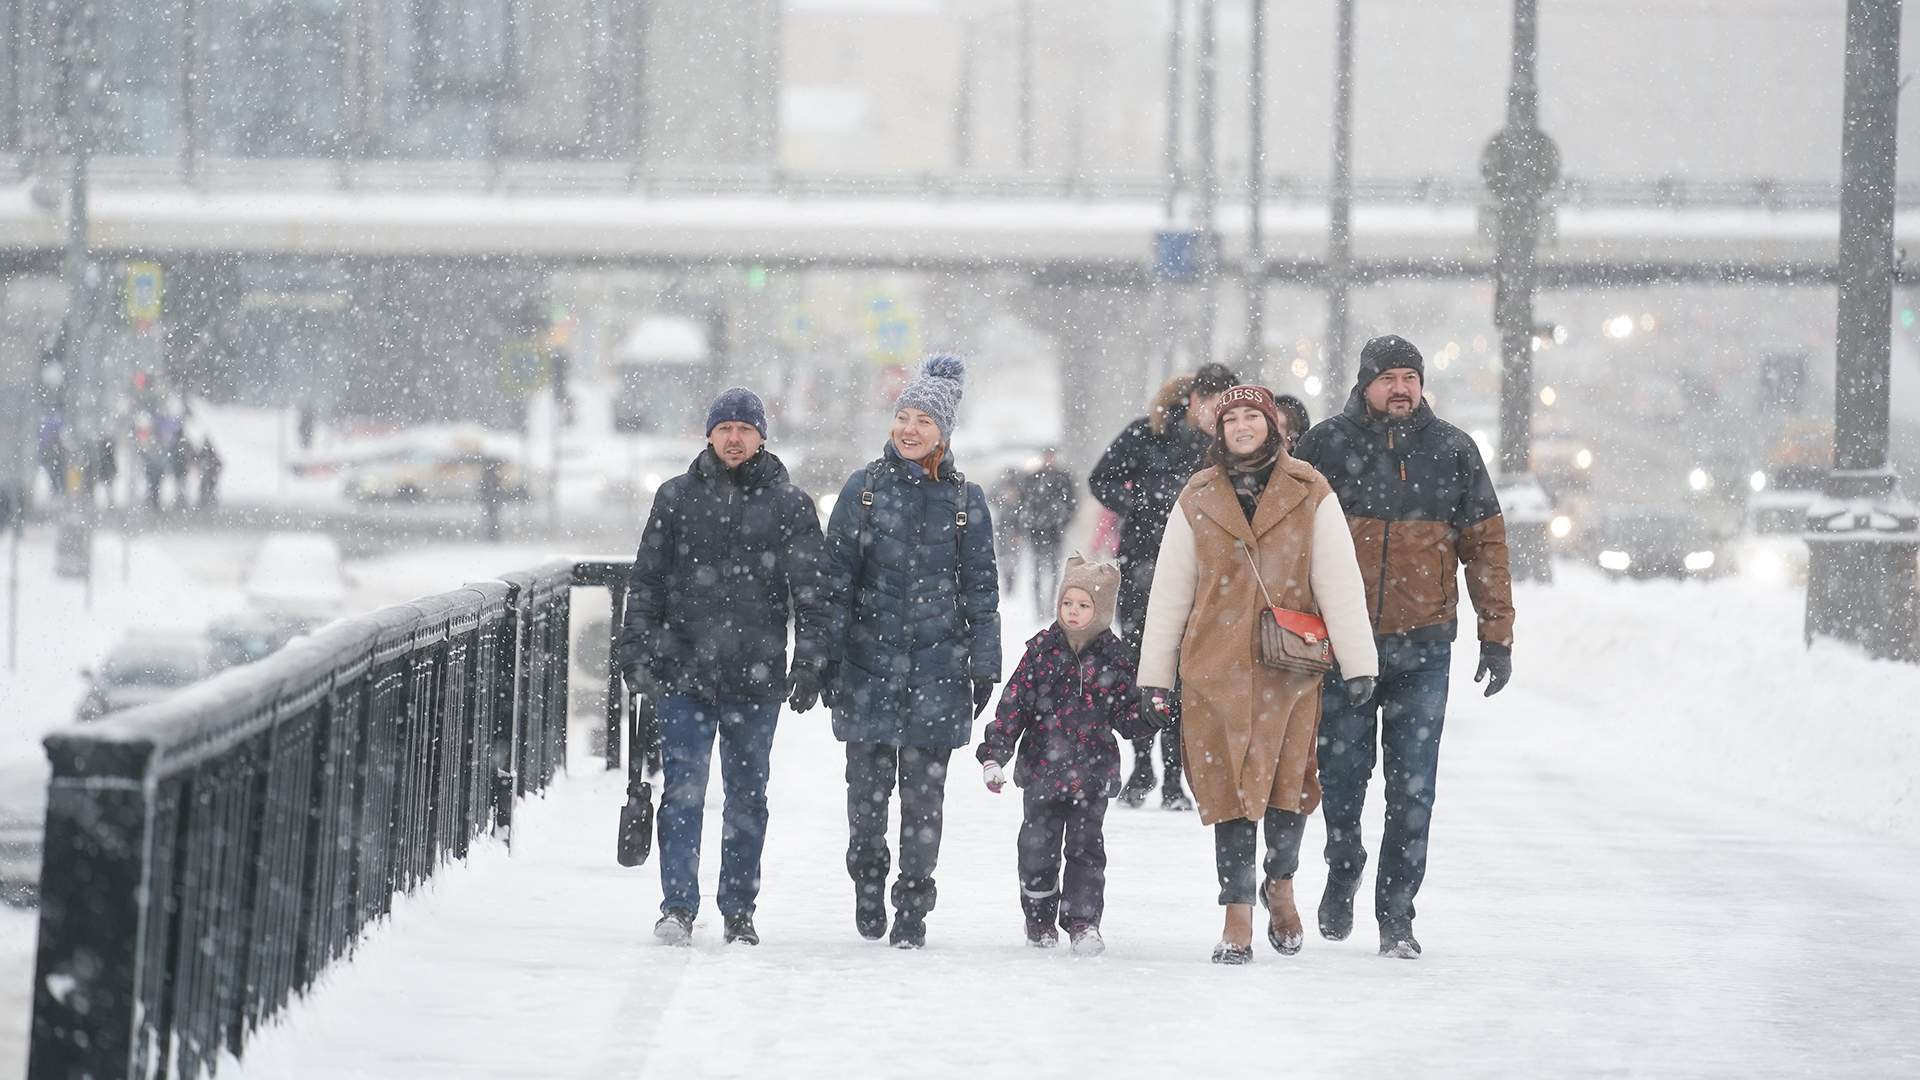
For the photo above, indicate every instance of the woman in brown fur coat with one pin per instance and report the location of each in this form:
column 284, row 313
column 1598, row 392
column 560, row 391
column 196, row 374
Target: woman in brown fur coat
column 1247, row 729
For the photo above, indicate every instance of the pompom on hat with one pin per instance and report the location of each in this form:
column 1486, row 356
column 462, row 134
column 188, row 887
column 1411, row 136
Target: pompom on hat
column 937, row 391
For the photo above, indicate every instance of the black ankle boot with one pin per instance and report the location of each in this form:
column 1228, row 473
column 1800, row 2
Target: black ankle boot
column 1336, row 908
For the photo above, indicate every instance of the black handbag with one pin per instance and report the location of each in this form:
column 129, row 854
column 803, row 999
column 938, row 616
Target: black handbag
column 636, row 817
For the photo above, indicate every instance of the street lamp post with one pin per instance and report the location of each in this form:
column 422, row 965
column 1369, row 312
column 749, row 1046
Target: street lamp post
column 1863, row 534
column 1206, row 184
column 1256, row 184
column 1520, row 165
column 1340, row 203
column 78, row 75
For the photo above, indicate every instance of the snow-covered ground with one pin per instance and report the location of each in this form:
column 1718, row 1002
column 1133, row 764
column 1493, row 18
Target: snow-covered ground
column 1681, row 844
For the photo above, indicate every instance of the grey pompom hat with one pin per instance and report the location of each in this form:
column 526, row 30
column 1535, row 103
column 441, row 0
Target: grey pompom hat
column 937, row 392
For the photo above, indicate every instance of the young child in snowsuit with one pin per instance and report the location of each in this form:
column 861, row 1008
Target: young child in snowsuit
column 1072, row 690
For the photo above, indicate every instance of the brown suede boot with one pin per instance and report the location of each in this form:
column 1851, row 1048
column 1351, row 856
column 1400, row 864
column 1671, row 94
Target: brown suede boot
column 1284, row 931
column 1236, row 936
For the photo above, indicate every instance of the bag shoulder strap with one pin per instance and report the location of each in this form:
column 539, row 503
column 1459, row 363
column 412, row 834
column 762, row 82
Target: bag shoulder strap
column 874, row 471
column 1242, row 545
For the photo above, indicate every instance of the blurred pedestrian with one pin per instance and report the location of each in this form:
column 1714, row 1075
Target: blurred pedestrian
column 1254, row 536
column 1419, row 505
column 1294, row 420
column 1070, row 692
column 1049, row 496
column 1009, row 539
column 211, row 466
column 731, row 553
column 52, row 444
column 1139, row 477
column 917, row 610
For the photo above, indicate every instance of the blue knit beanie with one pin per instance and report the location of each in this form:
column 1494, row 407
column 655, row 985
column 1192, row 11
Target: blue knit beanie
column 937, row 391
column 738, row 404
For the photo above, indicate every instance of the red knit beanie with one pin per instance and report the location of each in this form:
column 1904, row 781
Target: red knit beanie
column 1257, row 397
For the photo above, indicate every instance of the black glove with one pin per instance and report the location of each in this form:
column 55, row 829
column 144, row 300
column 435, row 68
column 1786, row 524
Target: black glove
column 1496, row 666
column 982, row 694
column 1360, row 689
column 829, row 684
column 639, row 681
column 803, row 688
column 1156, row 707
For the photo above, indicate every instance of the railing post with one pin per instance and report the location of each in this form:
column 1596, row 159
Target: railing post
column 93, row 906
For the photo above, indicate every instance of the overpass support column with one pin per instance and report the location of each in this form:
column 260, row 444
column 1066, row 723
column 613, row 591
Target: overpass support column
column 1521, row 165
column 1103, row 348
column 1864, row 535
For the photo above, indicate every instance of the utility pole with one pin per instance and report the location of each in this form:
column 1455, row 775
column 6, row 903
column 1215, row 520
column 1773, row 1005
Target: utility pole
column 1520, row 164
column 963, row 104
column 1864, row 535
column 1340, row 203
column 1167, row 297
column 1207, row 184
column 1256, row 190
column 78, row 75
column 1026, row 84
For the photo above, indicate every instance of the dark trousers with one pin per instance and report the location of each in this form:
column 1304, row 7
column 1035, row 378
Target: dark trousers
column 1133, row 617
column 1233, row 846
column 1406, row 716
column 1053, row 827
column 687, row 730
column 873, row 770
column 1046, row 569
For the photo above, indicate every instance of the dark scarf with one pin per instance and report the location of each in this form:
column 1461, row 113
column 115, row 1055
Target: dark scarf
column 1249, row 476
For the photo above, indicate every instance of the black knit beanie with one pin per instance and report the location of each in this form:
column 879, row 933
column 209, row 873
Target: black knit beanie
column 1385, row 353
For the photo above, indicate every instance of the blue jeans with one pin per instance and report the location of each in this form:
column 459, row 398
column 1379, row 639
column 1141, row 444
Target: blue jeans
column 687, row 729
column 1411, row 708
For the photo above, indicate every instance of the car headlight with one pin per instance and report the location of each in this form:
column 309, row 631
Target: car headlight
column 1767, row 565
column 1698, row 561
column 1560, row 527
column 1699, row 480
column 1615, row 560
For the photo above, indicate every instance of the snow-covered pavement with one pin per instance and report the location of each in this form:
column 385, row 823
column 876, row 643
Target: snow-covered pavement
column 1680, row 845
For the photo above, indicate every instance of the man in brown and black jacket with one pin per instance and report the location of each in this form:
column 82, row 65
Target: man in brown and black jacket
column 1420, row 505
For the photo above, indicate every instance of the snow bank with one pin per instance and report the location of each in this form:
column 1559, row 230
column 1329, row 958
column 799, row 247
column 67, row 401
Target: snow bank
column 1712, row 685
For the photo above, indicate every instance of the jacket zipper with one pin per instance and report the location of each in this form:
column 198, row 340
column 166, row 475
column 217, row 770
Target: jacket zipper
column 1386, row 537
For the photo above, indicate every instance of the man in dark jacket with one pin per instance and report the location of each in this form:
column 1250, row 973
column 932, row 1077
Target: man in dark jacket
column 1139, row 478
column 1048, row 497
column 732, row 548
column 1419, row 504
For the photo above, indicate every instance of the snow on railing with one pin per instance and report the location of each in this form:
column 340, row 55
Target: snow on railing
column 209, row 855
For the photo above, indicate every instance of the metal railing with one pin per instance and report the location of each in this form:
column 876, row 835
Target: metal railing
column 563, row 177
column 207, row 856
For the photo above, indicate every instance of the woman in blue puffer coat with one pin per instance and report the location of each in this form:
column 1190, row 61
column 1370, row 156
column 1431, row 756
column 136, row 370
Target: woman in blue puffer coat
column 915, row 598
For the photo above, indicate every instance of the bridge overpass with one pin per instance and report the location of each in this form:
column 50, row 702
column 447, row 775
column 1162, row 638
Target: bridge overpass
column 239, row 872
column 1601, row 232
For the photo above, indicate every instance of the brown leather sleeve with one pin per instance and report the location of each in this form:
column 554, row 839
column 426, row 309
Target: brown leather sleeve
column 1483, row 552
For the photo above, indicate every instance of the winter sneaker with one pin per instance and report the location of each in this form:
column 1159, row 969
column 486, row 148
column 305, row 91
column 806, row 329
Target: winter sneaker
column 1336, row 908
column 1228, row 953
column 1284, row 931
column 909, row 932
column 869, row 915
column 674, row 928
column 1085, row 940
column 740, row 928
column 1141, row 782
column 1042, row 935
column 1397, row 941
column 1175, row 799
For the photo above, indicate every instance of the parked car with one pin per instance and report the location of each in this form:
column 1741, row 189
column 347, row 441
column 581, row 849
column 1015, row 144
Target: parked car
column 298, row 577
column 426, row 474
column 1771, row 547
column 1642, row 542
column 248, row 635
column 144, row 667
